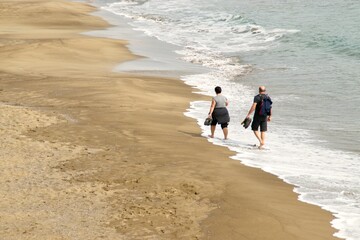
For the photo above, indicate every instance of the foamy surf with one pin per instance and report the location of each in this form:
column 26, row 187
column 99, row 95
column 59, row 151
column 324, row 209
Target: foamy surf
column 302, row 164
column 232, row 44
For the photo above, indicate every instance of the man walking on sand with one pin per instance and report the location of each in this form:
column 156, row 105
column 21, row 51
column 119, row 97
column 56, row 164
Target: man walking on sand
column 260, row 118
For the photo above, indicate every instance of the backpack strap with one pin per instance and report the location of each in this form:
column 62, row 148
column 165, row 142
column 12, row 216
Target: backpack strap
column 262, row 97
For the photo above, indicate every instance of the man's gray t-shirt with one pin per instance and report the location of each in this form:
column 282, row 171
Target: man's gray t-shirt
column 220, row 101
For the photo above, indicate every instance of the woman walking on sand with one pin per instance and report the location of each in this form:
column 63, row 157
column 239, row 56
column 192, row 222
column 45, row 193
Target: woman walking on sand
column 219, row 113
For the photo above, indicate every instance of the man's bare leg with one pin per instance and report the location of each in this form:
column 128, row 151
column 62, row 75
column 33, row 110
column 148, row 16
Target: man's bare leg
column 225, row 130
column 257, row 134
column 262, row 143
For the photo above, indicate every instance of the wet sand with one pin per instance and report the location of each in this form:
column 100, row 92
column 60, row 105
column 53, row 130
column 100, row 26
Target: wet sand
column 91, row 154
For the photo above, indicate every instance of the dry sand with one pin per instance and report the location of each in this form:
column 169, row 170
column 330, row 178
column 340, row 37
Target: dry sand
column 90, row 154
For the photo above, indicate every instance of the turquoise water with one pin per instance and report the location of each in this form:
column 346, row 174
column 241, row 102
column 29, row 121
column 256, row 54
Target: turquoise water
column 319, row 65
column 307, row 53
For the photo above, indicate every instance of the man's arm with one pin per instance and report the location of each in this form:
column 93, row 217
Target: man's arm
column 252, row 109
column 269, row 117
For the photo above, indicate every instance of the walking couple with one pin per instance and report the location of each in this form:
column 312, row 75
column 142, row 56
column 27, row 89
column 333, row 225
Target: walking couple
column 220, row 115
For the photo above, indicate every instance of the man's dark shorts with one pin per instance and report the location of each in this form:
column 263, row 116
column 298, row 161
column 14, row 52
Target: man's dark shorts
column 259, row 122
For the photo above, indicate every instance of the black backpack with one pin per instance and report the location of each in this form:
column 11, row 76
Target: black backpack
column 265, row 105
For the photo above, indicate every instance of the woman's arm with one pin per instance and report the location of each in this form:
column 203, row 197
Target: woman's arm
column 213, row 103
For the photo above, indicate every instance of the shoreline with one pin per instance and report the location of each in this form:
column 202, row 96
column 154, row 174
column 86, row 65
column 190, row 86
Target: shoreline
column 147, row 173
column 157, row 59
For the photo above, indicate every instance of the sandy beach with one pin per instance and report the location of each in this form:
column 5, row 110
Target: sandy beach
column 87, row 153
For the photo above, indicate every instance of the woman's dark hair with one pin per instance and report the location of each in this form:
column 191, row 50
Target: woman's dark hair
column 218, row 90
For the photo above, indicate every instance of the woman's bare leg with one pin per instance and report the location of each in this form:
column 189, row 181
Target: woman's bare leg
column 212, row 128
column 225, row 130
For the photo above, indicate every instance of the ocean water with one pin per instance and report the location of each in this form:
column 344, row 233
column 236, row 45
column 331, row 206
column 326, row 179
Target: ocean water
column 307, row 54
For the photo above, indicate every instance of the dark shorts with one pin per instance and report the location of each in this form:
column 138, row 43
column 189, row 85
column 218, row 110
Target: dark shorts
column 223, row 125
column 259, row 122
column 220, row 116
